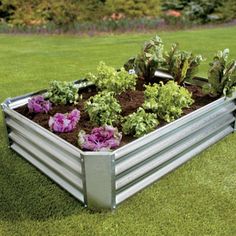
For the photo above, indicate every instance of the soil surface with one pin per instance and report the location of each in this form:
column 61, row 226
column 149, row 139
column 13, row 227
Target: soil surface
column 129, row 101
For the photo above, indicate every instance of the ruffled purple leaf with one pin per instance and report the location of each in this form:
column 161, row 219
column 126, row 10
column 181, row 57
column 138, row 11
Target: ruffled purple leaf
column 101, row 139
column 38, row 104
column 63, row 123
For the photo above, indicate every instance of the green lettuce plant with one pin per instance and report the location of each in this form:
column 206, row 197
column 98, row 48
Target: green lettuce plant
column 167, row 101
column 109, row 79
column 103, row 108
column 139, row 123
column 221, row 75
column 62, row 92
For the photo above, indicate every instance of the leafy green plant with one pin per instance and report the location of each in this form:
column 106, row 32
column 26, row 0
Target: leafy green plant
column 62, row 92
column 103, row 108
column 182, row 65
column 167, row 101
column 221, row 75
column 139, row 123
column 148, row 60
column 109, row 79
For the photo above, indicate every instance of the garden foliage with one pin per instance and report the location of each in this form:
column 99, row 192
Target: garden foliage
column 227, row 10
column 62, row 92
column 149, row 59
column 64, row 13
column 194, row 11
column 54, row 16
column 103, row 108
column 167, row 101
column 221, row 75
column 163, row 100
column 182, row 65
column 139, row 123
column 134, row 8
column 109, row 79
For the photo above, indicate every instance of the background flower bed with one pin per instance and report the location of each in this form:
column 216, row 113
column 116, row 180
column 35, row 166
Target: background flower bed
column 198, row 198
column 93, row 16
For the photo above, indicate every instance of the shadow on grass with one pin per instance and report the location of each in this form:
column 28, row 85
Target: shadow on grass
column 25, row 193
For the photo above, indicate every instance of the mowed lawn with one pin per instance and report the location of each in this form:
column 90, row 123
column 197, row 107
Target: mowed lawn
column 197, row 199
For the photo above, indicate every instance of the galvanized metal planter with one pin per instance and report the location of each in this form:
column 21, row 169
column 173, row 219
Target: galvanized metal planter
column 105, row 179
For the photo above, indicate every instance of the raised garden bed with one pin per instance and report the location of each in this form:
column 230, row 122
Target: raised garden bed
column 107, row 137
column 105, row 179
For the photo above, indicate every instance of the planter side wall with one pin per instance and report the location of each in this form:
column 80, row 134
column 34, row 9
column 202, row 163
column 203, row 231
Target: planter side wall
column 172, row 146
column 56, row 158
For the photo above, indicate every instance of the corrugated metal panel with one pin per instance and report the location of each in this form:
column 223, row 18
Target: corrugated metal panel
column 157, row 174
column 49, row 136
column 55, row 157
column 47, row 160
column 171, row 137
column 51, row 174
column 59, row 155
column 153, row 161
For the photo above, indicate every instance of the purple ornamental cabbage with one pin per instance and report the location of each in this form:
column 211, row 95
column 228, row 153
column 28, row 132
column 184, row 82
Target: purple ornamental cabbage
column 63, row 123
column 38, row 104
column 101, row 139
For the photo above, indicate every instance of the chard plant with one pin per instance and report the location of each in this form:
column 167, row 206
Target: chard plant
column 102, row 138
column 167, row 101
column 103, row 108
column 139, row 123
column 109, row 79
column 221, row 75
column 182, row 65
column 63, row 123
column 148, row 60
column 38, row 104
column 62, row 92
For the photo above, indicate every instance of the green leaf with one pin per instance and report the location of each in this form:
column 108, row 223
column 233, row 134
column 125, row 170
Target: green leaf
column 109, row 79
column 167, row 101
column 103, row 108
column 139, row 123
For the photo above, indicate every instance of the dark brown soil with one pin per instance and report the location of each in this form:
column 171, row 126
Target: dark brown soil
column 199, row 97
column 129, row 101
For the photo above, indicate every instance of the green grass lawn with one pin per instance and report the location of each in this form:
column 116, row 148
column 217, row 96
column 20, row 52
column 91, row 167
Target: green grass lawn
column 197, row 199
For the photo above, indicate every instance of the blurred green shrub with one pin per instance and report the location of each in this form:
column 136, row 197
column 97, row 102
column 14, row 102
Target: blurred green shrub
column 113, row 14
column 192, row 11
column 227, row 10
column 36, row 12
column 65, row 12
column 133, row 8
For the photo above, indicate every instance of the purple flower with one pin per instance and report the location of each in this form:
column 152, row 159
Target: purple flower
column 63, row 123
column 101, row 139
column 38, row 104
